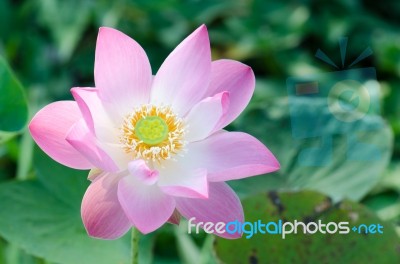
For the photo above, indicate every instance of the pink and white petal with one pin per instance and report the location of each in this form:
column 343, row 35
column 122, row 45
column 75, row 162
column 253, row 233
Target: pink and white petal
column 237, row 79
column 101, row 125
column 183, row 78
column 180, row 181
column 122, row 72
column 94, row 114
column 231, row 156
column 205, row 116
column 119, row 156
column 85, row 143
column 223, row 205
column 83, row 99
column 101, row 211
column 140, row 170
column 49, row 128
column 146, row 206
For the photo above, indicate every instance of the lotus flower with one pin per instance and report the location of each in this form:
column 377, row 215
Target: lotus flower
column 155, row 144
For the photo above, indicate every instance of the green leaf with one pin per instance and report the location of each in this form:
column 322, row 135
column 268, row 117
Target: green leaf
column 66, row 184
column 43, row 217
column 341, row 176
column 13, row 104
column 15, row 255
column 310, row 248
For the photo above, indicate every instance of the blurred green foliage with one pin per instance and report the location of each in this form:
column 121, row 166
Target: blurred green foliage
column 50, row 46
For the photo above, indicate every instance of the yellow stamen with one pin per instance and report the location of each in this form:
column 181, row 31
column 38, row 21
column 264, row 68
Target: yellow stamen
column 152, row 133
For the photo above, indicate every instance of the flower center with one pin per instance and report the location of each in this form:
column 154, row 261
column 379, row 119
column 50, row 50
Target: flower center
column 152, row 130
column 152, row 133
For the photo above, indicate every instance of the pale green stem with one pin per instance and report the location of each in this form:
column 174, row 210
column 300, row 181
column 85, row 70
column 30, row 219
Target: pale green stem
column 135, row 246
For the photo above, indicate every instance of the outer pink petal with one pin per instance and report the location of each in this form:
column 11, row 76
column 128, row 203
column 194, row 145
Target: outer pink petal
column 236, row 78
column 100, row 124
column 101, row 212
column 84, row 141
column 206, row 115
column 146, row 206
column 183, row 78
column 49, row 128
column 223, row 205
column 122, row 72
column 230, row 156
column 94, row 114
column 85, row 103
column 181, row 182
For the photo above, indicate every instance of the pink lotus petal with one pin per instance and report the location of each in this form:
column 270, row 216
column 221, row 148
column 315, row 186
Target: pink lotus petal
column 49, row 128
column 206, row 115
column 177, row 180
column 85, row 143
column 237, row 79
column 101, row 212
column 223, row 205
column 122, row 72
column 184, row 76
column 84, row 101
column 146, row 206
column 94, row 114
column 231, row 156
column 118, row 155
column 140, row 170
